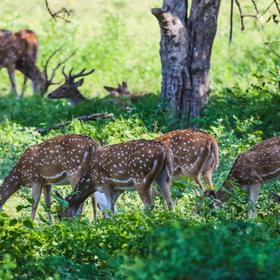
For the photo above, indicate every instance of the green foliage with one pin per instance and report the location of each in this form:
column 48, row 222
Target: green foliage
column 120, row 41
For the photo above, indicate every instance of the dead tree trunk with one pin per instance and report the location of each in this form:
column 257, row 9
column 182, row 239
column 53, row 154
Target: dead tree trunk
column 185, row 51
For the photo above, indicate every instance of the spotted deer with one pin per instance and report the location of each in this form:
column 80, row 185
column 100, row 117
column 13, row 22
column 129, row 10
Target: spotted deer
column 58, row 161
column 69, row 90
column 196, row 154
column 250, row 170
column 19, row 51
column 127, row 166
column 122, row 91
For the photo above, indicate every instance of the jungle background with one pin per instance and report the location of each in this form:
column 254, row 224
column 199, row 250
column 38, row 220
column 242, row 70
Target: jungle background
column 120, row 39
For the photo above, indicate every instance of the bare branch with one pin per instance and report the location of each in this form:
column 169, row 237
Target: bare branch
column 240, row 15
column 231, row 22
column 258, row 17
column 91, row 117
column 64, row 14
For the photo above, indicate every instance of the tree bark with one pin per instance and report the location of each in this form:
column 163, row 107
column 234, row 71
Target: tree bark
column 185, row 51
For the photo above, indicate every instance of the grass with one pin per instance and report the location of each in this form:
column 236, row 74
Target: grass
column 120, row 39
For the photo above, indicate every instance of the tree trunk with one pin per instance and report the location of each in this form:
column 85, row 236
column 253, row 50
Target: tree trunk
column 185, row 51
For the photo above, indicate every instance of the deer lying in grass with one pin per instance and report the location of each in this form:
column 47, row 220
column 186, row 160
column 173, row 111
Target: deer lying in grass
column 122, row 92
column 69, row 90
column 196, row 154
column 58, row 161
column 127, row 166
column 250, row 171
column 19, row 51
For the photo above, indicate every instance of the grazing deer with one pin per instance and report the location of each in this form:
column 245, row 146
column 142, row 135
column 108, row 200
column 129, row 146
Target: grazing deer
column 69, row 89
column 32, row 47
column 18, row 51
column 59, row 160
column 122, row 91
column 196, row 153
column 127, row 166
column 14, row 47
column 251, row 170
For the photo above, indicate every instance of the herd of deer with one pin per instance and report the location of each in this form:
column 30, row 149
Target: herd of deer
column 19, row 51
column 104, row 173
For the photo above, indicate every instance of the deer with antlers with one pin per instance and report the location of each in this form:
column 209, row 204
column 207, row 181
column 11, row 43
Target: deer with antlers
column 250, row 170
column 19, row 51
column 59, row 160
column 196, row 154
column 69, row 90
column 127, row 166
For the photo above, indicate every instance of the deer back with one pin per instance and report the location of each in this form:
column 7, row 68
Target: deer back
column 258, row 165
column 194, row 150
column 128, row 163
column 30, row 42
column 11, row 49
column 52, row 159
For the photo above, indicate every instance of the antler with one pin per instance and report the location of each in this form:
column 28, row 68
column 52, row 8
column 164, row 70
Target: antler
column 49, row 81
column 71, row 77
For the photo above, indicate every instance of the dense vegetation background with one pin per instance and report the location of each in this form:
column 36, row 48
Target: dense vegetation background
column 119, row 38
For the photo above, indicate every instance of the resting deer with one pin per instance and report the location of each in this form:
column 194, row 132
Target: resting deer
column 122, row 91
column 59, row 160
column 69, row 89
column 251, row 170
column 18, row 51
column 196, row 154
column 127, row 166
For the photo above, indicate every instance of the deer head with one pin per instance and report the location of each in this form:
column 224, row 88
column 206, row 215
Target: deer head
column 121, row 90
column 69, row 90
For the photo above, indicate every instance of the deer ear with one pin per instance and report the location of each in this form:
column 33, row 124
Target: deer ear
column 79, row 83
column 109, row 89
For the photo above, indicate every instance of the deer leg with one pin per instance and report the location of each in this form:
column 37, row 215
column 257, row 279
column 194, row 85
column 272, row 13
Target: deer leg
column 254, row 194
column 94, row 208
column 12, row 76
column 47, row 194
column 145, row 195
column 23, row 86
column 109, row 197
column 198, row 181
column 164, row 184
column 207, row 177
column 155, row 191
column 36, row 194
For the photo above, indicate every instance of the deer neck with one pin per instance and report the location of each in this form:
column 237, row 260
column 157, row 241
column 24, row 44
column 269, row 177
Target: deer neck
column 10, row 185
column 76, row 98
column 82, row 190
